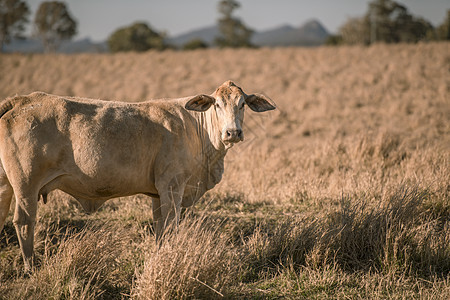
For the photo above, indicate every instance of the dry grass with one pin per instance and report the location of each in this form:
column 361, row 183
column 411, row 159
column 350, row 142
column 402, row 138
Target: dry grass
column 341, row 193
column 198, row 262
column 84, row 265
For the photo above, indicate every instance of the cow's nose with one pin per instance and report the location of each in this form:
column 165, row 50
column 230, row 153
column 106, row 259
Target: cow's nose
column 233, row 135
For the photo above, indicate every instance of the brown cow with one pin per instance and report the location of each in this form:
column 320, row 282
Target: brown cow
column 172, row 150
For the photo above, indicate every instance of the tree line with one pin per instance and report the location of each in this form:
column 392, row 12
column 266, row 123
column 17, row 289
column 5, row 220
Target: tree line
column 385, row 21
column 54, row 24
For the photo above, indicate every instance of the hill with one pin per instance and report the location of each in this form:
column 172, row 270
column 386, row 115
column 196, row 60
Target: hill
column 311, row 33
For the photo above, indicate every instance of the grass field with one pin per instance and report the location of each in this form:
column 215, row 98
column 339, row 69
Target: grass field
column 343, row 192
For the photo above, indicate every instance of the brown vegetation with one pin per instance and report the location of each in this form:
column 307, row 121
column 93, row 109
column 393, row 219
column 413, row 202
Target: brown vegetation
column 341, row 193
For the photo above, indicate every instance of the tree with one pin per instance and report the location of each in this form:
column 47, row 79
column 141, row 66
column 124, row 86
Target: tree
column 390, row 22
column 195, row 44
column 136, row 37
column 443, row 30
column 54, row 24
column 233, row 32
column 380, row 22
column 386, row 21
column 13, row 17
column 355, row 31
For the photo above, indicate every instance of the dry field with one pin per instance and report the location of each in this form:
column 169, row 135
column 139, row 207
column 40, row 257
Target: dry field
column 343, row 192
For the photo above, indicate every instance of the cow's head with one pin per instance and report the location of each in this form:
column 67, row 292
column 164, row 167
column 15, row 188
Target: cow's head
column 228, row 101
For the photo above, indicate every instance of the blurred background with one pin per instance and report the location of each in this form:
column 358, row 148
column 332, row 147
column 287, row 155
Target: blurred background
column 138, row 25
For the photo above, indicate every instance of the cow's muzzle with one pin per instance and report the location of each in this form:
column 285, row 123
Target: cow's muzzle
column 232, row 135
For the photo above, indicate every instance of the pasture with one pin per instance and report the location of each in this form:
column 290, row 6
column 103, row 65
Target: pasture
column 342, row 192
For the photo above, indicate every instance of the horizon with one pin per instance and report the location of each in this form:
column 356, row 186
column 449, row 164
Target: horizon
column 260, row 15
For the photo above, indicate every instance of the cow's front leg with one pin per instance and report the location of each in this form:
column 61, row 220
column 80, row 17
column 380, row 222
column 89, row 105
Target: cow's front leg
column 167, row 209
column 157, row 218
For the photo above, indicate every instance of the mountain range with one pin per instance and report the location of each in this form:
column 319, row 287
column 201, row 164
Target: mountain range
column 311, row 33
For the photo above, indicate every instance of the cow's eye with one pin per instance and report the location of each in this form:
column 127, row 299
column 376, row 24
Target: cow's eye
column 242, row 105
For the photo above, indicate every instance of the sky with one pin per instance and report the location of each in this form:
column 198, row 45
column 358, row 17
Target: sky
column 97, row 19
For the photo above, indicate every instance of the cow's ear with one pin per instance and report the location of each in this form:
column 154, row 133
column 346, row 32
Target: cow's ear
column 200, row 102
column 259, row 103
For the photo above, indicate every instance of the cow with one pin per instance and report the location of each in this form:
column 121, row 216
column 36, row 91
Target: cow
column 169, row 149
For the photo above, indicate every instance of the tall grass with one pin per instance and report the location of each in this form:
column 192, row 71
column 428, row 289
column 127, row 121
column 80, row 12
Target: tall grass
column 396, row 233
column 387, row 249
column 84, row 265
column 196, row 261
column 396, row 247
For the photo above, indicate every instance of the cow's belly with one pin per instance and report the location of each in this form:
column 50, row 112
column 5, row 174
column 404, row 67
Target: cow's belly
column 107, row 171
column 82, row 187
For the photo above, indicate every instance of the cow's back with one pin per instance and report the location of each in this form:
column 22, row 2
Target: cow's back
column 101, row 149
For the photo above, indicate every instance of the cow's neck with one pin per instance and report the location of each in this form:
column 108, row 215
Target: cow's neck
column 213, row 150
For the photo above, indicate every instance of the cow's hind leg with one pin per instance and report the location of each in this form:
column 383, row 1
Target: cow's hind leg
column 6, row 193
column 24, row 221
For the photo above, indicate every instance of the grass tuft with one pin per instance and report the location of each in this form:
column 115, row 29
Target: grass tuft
column 196, row 261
